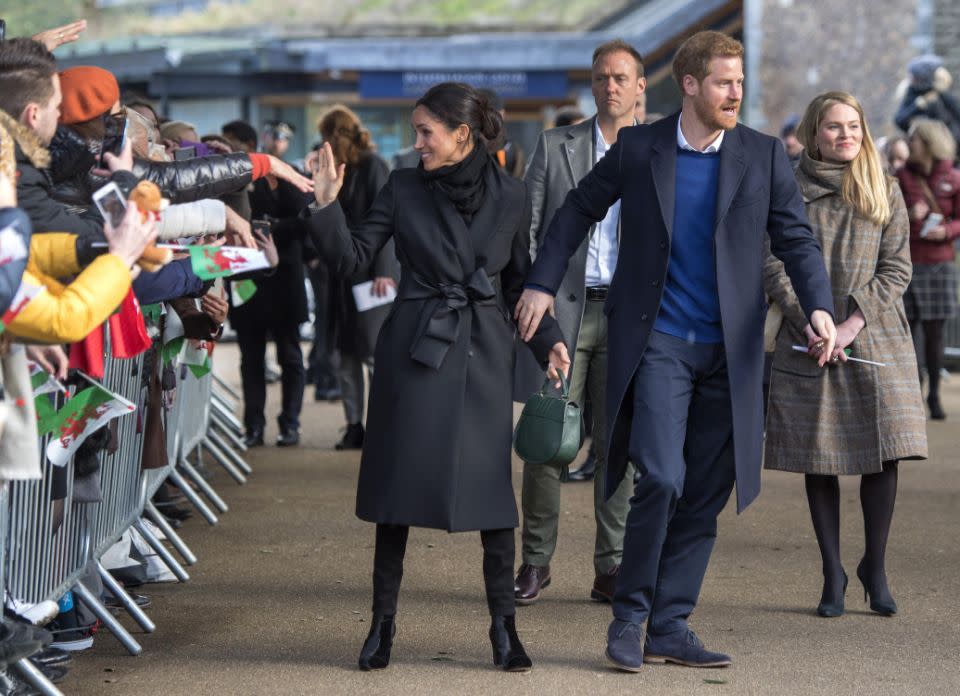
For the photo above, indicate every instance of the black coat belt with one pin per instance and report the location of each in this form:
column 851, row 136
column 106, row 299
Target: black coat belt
column 440, row 317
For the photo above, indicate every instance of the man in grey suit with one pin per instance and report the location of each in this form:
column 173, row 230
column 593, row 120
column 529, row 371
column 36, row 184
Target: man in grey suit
column 564, row 156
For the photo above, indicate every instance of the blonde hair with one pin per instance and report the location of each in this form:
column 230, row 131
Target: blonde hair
column 936, row 137
column 865, row 185
column 175, row 130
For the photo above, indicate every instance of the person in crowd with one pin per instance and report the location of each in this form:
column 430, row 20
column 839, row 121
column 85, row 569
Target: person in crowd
column 931, row 188
column 461, row 227
column 895, row 152
column 275, row 138
column 876, row 416
column 356, row 331
column 928, row 95
column 788, row 136
column 179, row 133
column 568, row 116
column 508, row 154
column 685, row 333
column 276, row 310
column 562, row 157
column 640, row 110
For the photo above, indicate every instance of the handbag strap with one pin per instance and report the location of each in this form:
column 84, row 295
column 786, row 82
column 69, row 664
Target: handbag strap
column 564, row 386
column 928, row 194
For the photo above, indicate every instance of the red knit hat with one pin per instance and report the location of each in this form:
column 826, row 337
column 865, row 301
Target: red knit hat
column 88, row 92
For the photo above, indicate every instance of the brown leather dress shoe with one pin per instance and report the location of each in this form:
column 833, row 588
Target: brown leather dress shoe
column 604, row 585
column 530, row 582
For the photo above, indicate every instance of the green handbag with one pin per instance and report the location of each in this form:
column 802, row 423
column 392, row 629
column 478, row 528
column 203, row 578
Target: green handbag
column 550, row 429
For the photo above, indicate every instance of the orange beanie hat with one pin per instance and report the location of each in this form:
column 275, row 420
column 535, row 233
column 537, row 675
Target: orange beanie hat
column 88, row 92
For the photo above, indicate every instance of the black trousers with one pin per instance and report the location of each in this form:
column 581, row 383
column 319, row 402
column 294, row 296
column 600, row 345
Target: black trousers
column 321, row 360
column 253, row 349
column 499, row 549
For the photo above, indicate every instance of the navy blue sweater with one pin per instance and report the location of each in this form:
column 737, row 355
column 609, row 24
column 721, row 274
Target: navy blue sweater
column 691, row 304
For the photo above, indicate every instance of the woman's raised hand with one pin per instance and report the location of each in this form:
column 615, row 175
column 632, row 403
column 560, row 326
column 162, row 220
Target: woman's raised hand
column 328, row 178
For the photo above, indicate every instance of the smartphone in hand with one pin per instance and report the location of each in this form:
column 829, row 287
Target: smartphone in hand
column 933, row 220
column 111, row 204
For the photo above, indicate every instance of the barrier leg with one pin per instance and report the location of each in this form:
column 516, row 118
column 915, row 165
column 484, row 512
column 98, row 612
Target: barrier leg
column 222, row 460
column 224, row 413
column 116, row 589
column 168, row 532
column 109, row 620
column 35, row 678
column 227, row 388
column 162, row 551
column 202, row 484
column 217, row 441
column 192, row 496
column 235, row 441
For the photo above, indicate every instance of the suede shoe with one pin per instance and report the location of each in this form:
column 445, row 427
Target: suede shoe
column 604, row 585
column 530, row 582
column 682, row 648
column 625, row 645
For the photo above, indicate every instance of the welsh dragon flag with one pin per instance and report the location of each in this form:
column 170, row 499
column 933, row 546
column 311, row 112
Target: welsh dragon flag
column 86, row 412
column 42, row 381
column 25, row 294
column 197, row 357
column 210, row 262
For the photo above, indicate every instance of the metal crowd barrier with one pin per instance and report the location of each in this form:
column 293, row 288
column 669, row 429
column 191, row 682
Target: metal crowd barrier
column 47, row 545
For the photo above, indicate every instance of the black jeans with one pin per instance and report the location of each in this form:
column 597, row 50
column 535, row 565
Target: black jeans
column 253, row 349
column 499, row 549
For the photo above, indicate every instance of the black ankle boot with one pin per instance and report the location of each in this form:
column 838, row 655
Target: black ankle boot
column 508, row 652
column 352, row 438
column 375, row 653
column 936, row 409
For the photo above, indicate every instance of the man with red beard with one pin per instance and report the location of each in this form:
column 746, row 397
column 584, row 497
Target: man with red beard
column 699, row 194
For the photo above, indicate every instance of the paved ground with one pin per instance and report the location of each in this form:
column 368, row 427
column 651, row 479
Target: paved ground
column 279, row 601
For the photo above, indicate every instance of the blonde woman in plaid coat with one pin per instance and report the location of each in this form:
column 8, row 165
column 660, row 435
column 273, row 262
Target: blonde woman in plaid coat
column 853, row 418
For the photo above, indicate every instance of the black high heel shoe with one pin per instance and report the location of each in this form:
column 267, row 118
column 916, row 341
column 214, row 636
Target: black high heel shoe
column 508, row 652
column 375, row 653
column 831, row 610
column 885, row 606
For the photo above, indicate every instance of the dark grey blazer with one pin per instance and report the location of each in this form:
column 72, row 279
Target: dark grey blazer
column 562, row 158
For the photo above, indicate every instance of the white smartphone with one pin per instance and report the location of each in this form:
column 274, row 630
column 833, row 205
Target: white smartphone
column 933, row 220
column 111, row 203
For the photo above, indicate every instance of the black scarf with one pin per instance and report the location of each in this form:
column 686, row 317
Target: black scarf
column 462, row 183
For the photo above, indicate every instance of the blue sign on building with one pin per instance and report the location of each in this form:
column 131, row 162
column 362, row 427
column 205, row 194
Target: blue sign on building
column 413, row 84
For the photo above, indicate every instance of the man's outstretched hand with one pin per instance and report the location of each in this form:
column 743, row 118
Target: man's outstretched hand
column 531, row 307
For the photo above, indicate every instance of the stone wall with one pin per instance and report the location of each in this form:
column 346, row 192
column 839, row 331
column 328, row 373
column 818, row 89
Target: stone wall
column 859, row 46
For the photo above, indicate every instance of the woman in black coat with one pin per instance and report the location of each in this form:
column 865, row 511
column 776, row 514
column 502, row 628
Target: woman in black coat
column 356, row 332
column 438, row 450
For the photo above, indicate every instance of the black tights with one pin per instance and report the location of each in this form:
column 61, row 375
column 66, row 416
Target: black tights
column 499, row 553
column 933, row 353
column 878, row 493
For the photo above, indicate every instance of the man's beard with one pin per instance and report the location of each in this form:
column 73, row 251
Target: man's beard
column 714, row 118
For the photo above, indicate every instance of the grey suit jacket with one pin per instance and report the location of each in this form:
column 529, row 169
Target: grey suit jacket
column 563, row 156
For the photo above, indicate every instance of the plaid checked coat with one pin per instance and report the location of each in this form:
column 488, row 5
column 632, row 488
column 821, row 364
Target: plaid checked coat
column 847, row 418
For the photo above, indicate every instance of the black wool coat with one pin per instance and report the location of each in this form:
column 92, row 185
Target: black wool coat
column 439, row 430
column 357, row 332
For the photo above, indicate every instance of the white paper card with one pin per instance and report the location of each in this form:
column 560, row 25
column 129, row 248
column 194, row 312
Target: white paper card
column 365, row 299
